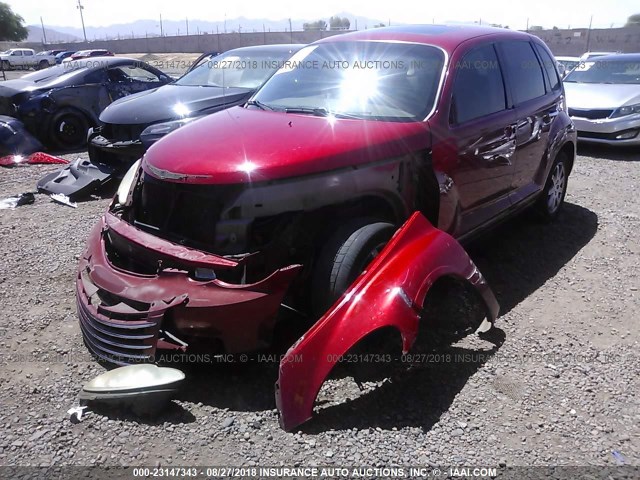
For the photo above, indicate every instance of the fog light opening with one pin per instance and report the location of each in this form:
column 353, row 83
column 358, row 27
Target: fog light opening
column 627, row 135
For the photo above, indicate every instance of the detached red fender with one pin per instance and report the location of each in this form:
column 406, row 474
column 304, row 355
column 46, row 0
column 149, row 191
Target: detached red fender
column 390, row 293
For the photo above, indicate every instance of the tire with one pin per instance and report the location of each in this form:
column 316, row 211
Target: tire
column 68, row 129
column 42, row 65
column 555, row 189
column 6, row 66
column 349, row 250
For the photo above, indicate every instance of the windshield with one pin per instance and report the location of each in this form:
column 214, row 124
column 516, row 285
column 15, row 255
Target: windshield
column 239, row 69
column 606, row 71
column 374, row 80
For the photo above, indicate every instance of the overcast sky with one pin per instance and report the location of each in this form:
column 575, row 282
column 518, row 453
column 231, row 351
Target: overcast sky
column 514, row 13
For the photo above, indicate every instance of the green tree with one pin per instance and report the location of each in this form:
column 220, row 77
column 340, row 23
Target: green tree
column 317, row 25
column 11, row 27
column 633, row 20
column 339, row 23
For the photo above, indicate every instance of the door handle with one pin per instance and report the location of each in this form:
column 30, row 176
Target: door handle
column 501, row 155
column 548, row 117
column 511, row 130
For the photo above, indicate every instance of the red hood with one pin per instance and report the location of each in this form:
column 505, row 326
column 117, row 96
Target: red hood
column 223, row 147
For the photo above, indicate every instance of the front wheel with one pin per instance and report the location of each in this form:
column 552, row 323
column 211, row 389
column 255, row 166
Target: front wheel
column 68, row 129
column 555, row 189
column 42, row 65
column 349, row 250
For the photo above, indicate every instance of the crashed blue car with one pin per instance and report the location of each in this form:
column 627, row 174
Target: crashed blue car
column 59, row 104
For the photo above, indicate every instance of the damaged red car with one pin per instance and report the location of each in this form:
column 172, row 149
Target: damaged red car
column 341, row 190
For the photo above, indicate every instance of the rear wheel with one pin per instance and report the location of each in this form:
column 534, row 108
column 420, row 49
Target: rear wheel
column 6, row 65
column 555, row 189
column 349, row 250
column 68, row 129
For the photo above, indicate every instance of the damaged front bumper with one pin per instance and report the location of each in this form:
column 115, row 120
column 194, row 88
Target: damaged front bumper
column 126, row 316
column 119, row 152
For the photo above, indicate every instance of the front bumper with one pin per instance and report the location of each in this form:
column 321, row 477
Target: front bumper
column 123, row 314
column 113, row 152
column 606, row 130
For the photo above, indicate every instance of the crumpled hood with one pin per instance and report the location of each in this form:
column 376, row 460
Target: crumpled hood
column 158, row 104
column 601, row 95
column 241, row 145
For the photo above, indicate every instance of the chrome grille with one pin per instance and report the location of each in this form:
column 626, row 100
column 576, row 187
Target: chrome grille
column 589, row 114
column 117, row 337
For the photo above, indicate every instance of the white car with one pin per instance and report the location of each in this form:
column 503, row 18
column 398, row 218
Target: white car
column 25, row 58
column 589, row 55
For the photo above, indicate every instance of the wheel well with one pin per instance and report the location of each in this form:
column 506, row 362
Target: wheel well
column 569, row 150
column 372, row 358
column 452, row 309
column 376, row 207
column 71, row 109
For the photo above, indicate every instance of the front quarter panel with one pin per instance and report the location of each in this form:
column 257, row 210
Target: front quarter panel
column 390, row 293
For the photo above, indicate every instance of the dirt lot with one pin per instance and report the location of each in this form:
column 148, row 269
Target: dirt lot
column 556, row 383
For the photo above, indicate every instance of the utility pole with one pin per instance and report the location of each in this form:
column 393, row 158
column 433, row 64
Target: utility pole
column 187, row 20
column 290, row 31
column 161, row 30
column 225, row 22
column 80, row 7
column 589, row 32
column 44, row 34
column 527, row 25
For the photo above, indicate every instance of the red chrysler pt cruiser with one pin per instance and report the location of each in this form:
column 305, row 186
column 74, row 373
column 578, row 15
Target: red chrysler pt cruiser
column 340, row 191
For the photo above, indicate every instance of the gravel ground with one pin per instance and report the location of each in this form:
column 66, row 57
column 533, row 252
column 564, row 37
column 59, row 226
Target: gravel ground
column 555, row 384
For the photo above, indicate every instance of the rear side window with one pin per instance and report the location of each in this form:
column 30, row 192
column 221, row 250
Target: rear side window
column 97, row 76
column 523, row 70
column 478, row 89
column 549, row 65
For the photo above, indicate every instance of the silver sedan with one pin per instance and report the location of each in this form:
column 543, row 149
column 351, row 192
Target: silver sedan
column 603, row 96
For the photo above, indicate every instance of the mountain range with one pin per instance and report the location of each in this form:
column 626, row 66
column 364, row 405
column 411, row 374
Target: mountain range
column 140, row 28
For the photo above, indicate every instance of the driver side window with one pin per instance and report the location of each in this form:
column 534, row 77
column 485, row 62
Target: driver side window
column 479, row 88
column 139, row 74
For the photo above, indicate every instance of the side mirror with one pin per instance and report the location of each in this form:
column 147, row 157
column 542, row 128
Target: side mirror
column 562, row 70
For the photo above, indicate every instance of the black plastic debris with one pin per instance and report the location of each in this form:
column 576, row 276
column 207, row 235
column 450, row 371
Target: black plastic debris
column 13, row 202
column 77, row 180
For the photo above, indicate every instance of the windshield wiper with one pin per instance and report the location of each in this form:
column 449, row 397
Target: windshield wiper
column 259, row 104
column 317, row 111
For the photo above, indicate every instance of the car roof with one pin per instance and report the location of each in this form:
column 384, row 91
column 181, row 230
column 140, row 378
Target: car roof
column 280, row 47
column 99, row 62
column 447, row 37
